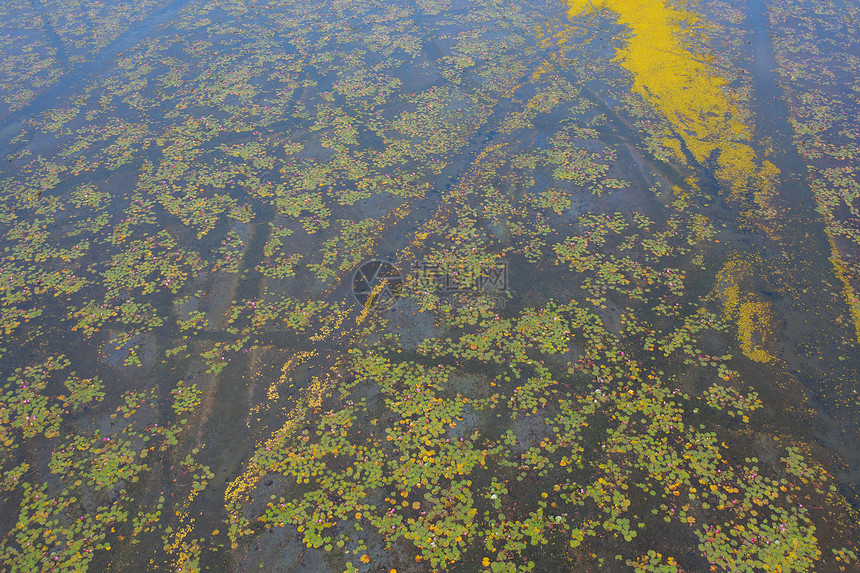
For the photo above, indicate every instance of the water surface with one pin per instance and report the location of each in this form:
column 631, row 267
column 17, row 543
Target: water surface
column 429, row 286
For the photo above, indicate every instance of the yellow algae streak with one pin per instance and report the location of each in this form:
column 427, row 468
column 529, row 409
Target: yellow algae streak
column 752, row 315
column 848, row 292
column 286, row 372
column 681, row 85
column 311, row 399
column 754, row 328
column 702, row 116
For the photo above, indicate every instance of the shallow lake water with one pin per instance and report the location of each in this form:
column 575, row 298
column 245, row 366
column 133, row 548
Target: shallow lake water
column 429, row 286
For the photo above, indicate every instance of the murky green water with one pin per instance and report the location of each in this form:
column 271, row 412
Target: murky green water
column 429, row 286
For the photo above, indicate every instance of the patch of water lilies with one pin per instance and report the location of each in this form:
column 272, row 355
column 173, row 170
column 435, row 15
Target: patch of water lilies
column 625, row 450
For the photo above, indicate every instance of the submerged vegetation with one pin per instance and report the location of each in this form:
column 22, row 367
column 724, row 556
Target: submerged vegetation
column 621, row 336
